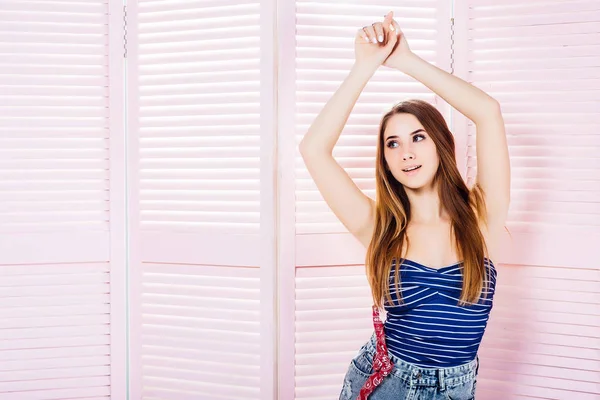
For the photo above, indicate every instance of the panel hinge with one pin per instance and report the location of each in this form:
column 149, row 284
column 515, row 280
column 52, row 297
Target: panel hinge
column 124, row 31
column 452, row 45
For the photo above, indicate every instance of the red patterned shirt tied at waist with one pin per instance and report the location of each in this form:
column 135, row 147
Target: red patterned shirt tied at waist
column 382, row 365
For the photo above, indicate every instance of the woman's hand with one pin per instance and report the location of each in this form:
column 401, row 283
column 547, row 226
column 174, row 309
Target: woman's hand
column 374, row 43
column 401, row 52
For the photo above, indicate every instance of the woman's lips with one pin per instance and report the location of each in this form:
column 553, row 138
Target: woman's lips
column 413, row 172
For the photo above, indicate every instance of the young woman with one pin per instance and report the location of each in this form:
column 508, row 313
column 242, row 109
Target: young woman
column 430, row 240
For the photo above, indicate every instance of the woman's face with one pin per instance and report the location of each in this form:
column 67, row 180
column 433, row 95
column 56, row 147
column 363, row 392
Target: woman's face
column 406, row 144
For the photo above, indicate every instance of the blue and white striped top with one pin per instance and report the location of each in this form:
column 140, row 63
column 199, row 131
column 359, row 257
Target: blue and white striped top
column 429, row 329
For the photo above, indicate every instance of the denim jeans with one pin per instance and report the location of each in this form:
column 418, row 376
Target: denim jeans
column 409, row 381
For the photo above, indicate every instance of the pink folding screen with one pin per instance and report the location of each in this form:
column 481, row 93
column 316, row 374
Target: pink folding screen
column 161, row 238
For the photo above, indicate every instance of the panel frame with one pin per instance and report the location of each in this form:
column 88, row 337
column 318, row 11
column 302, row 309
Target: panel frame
column 119, row 345
column 206, row 250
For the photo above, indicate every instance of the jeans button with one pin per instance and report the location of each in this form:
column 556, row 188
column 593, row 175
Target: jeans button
column 418, row 375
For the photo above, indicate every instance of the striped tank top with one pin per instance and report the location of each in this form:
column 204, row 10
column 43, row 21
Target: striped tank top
column 429, row 329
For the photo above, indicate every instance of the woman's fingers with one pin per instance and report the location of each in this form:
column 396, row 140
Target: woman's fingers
column 392, row 38
column 388, row 28
column 362, row 34
column 378, row 27
column 397, row 29
column 380, row 32
column 370, row 31
column 387, row 21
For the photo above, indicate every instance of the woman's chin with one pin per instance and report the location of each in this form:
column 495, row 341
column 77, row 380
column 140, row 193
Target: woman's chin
column 416, row 184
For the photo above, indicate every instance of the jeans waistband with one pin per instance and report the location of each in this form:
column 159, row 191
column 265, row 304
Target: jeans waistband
column 426, row 376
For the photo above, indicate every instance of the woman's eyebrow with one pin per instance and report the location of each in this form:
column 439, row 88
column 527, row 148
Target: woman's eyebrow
column 412, row 133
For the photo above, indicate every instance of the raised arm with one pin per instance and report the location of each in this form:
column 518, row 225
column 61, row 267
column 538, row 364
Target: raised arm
column 493, row 164
column 327, row 126
column 353, row 208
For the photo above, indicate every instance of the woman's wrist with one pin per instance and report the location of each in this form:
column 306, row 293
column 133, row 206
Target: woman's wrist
column 407, row 62
column 363, row 70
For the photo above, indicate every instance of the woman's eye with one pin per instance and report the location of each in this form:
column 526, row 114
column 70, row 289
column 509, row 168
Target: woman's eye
column 389, row 144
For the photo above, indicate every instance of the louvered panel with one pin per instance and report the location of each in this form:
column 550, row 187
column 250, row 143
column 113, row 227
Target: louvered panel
column 540, row 61
column 200, row 332
column 201, row 110
column 55, row 335
column 333, row 319
column 324, row 56
column 199, row 116
column 543, row 338
column 54, row 116
column 59, row 201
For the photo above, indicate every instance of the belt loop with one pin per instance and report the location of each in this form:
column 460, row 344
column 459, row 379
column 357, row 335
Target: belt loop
column 441, row 380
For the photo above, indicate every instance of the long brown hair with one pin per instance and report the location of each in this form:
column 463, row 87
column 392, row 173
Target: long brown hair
column 393, row 211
